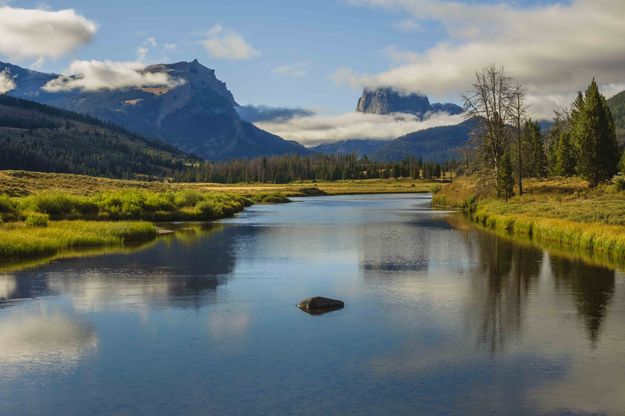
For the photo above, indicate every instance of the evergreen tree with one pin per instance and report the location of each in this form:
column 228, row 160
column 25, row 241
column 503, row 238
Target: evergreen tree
column 534, row 149
column 564, row 156
column 595, row 138
column 505, row 178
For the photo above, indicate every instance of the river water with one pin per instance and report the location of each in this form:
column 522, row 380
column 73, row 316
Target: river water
column 440, row 319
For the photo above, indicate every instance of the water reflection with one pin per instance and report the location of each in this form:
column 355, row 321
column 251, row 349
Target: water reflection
column 146, row 278
column 440, row 318
column 592, row 288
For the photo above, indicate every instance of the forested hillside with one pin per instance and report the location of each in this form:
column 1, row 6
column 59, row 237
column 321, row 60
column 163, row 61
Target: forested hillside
column 42, row 138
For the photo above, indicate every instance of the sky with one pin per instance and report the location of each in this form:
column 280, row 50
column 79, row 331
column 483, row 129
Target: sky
column 319, row 54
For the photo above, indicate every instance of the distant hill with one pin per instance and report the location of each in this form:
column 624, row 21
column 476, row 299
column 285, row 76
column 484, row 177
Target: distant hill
column 617, row 107
column 197, row 115
column 47, row 139
column 388, row 100
column 436, row 144
column 359, row 147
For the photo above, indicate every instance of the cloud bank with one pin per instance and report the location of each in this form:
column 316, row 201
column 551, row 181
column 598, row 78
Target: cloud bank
column 553, row 50
column 317, row 129
column 6, row 82
column 253, row 113
column 109, row 75
column 227, row 44
column 32, row 33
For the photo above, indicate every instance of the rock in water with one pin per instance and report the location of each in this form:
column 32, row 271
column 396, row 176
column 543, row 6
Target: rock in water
column 319, row 305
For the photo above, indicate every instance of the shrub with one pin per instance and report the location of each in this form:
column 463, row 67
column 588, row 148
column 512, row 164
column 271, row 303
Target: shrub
column 6, row 204
column 620, row 183
column 37, row 219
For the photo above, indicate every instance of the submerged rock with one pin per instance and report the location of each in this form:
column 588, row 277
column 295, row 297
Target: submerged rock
column 319, row 305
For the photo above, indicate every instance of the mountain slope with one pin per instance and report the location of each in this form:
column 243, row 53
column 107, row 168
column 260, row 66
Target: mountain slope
column 437, row 144
column 196, row 115
column 359, row 147
column 42, row 138
column 388, row 100
column 617, row 108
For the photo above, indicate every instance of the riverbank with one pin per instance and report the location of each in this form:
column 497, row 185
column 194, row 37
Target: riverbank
column 561, row 212
column 43, row 214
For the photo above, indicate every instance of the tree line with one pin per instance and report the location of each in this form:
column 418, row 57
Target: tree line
column 289, row 168
column 509, row 146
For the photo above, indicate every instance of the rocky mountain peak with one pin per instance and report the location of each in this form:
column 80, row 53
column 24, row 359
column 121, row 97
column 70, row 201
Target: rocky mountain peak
column 388, row 100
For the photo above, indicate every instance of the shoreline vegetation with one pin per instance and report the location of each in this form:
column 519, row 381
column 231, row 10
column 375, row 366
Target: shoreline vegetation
column 559, row 213
column 47, row 214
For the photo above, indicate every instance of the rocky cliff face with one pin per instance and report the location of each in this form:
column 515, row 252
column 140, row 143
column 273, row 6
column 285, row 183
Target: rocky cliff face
column 196, row 115
column 388, row 100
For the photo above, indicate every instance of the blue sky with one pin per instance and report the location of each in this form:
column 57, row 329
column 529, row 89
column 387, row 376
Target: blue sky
column 320, row 54
column 319, row 36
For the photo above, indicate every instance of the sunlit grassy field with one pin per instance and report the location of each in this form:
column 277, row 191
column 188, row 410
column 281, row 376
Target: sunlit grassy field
column 564, row 212
column 42, row 214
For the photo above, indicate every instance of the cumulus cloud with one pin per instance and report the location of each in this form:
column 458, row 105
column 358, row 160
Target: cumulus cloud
column 298, row 69
column 552, row 49
column 317, row 129
column 33, row 33
column 256, row 113
column 409, row 25
column 100, row 75
column 227, row 44
column 6, row 82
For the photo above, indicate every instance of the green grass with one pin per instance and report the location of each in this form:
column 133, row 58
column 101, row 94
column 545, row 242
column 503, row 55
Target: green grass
column 561, row 212
column 20, row 240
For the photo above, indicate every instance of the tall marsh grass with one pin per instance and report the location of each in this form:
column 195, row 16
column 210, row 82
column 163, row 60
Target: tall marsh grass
column 20, row 240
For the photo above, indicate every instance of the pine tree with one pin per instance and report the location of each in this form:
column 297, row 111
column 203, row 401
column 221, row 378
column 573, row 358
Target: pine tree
column 534, row 149
column 564, row 163
column 505, row 178
column 595, row 138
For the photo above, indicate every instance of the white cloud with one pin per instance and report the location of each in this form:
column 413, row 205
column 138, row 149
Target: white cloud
column 397, row 55
column 316, row 129
column 142, row 53
column 33, row 33
column 6, row 82
column 551, row 49
column 298, row 69
column 409, row 25
column 227, row 44
column 98, row 75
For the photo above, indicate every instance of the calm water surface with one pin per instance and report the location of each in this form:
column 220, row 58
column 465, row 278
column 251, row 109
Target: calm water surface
column 439, row 320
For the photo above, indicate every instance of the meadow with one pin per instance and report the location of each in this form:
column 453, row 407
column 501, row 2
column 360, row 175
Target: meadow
column 44, row 214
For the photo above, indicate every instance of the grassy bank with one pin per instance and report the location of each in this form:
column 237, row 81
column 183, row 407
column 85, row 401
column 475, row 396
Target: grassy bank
column 21, row 240
column 562, row 212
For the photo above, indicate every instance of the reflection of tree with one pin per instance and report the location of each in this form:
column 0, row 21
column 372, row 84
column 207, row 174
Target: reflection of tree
column 501, row 283
column 592, row 288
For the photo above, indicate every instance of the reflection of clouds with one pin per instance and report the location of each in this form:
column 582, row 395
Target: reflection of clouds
column 224, row 324
column 7, row 287
column 98, row 290
column 53, row 341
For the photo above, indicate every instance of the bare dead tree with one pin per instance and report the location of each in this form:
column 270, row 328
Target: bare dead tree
column 492, row 101
column 519, row 110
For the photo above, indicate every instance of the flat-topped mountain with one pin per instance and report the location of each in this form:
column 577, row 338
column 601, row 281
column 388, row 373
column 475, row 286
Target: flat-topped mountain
column 195, row 112
column 388, row 100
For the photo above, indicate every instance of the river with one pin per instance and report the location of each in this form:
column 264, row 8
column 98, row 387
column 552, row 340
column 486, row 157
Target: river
column 440, row 318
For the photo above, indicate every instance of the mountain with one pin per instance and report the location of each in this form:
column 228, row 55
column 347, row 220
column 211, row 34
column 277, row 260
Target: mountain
column 617, row 108
column 43, row 138
column 388, row 100
column 437, row 144
column 359, row 147
column 196, row 114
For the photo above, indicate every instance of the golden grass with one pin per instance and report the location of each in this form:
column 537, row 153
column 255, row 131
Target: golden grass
column 19, row 240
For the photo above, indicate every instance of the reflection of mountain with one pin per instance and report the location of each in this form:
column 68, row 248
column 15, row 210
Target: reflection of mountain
column 592, row 288
column 148, row 277
column 501, row 283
